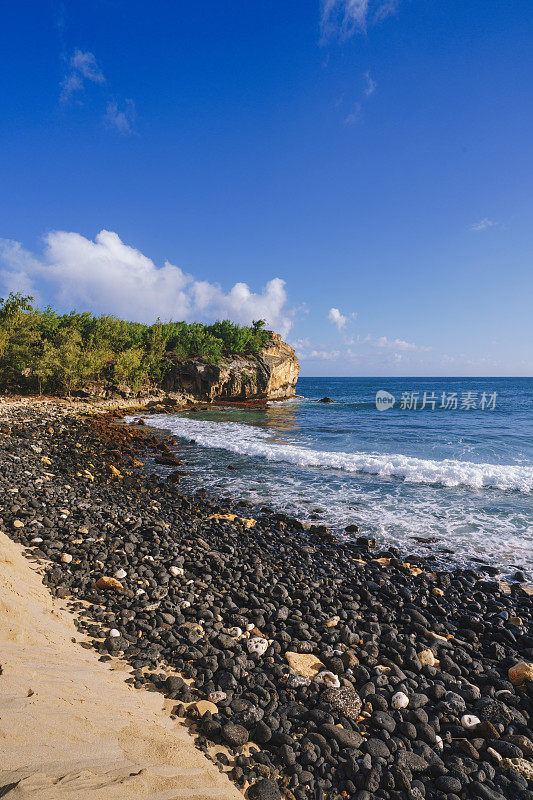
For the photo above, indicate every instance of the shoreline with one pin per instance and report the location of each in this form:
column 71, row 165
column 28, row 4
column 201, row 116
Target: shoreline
column 439, row 551
column 375, row 625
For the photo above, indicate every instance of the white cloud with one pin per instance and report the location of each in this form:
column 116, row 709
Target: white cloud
column 483, row 224
column 343, row 18
column 354, row 115
column 83, row 68
column 393, row 344
column 364, row 352
column 85, row 64
column 305, row 349
column 324, row 355
column 370, row 84
column 108, row 276
column 338, row 319
column 121, row 119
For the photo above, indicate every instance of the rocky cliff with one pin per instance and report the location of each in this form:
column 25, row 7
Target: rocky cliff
column 271, row 375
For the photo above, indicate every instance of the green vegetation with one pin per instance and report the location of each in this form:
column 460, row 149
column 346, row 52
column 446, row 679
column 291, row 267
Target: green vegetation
column 41, row 350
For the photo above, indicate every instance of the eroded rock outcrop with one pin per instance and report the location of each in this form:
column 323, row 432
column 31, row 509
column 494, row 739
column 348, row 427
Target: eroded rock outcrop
column 271, row 375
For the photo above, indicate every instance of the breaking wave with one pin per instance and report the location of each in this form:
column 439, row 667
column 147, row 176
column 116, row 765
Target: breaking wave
column 248, row 440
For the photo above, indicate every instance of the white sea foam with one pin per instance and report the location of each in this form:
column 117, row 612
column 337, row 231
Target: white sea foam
column 253, row 441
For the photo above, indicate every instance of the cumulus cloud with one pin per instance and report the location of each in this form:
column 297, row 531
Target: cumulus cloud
column 108, row 276
column 344, row 18
column 338, row 319
column 483, row 224
column 82, row 68
column 121, row 119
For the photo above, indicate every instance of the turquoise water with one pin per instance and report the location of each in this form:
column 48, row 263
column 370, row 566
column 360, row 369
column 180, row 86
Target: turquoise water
column 455, row 482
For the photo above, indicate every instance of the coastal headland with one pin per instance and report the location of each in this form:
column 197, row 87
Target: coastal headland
column 306, row 665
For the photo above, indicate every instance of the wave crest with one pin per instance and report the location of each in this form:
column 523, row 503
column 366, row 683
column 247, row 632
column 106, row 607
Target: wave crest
column 251, row 441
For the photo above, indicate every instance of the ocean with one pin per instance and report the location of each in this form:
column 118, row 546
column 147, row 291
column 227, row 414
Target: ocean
column 446, row 470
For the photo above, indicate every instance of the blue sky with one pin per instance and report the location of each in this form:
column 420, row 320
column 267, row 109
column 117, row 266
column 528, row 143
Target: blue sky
column 357, row 171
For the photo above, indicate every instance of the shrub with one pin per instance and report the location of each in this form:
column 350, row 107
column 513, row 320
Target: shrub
column 43, row 350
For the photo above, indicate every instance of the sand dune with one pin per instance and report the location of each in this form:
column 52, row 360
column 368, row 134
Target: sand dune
column 70, row 728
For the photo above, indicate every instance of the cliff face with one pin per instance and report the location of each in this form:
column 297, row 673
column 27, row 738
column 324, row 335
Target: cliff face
column 271, row 375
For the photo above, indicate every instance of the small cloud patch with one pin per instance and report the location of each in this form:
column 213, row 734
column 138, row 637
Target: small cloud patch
column 83, row 68
column 483, row 224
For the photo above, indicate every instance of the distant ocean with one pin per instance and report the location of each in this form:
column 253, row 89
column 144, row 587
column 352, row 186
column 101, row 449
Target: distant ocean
column 455, row 482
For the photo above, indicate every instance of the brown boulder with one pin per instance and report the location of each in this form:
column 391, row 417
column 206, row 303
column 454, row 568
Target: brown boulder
column 106, row 582
column 523, row 671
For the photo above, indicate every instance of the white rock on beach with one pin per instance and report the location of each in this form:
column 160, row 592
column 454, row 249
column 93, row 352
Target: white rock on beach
column 328, row 679
column 399, row 700
column 66, row 558
column 469, row 721
column 120, row 573
column 257, row 645
column 426, row 658
column 216, row 697
column 176, row 571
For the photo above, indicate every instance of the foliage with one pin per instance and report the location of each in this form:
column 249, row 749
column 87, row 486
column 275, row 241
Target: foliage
column 42, row 350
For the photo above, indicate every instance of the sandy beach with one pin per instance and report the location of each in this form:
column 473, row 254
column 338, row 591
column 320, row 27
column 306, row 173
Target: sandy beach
column 70, row 727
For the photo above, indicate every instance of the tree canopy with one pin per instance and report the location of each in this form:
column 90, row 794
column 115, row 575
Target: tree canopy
column 42, row 350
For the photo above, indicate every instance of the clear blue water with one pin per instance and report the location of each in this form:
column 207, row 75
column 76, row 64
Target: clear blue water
column 462, row 479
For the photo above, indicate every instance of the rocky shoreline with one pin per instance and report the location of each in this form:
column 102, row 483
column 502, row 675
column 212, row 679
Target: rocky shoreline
column 322, row 668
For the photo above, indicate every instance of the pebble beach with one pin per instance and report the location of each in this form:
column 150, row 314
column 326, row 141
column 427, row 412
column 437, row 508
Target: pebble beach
column 307, row 665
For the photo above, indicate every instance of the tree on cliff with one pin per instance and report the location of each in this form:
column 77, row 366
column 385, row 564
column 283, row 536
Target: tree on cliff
column 42, row 350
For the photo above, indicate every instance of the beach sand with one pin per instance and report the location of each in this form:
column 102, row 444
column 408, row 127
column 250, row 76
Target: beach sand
column 70, row 727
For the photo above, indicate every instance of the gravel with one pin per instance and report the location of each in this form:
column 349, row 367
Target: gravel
column 185, row 630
